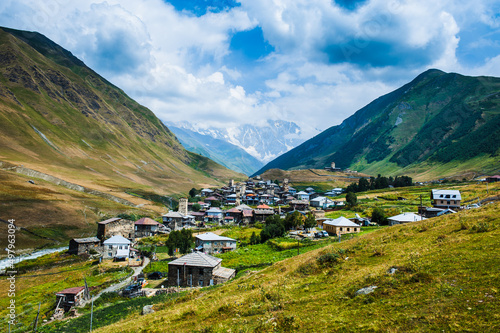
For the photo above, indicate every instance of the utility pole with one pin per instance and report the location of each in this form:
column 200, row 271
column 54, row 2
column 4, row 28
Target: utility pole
column 37, row 315
column 91, row 313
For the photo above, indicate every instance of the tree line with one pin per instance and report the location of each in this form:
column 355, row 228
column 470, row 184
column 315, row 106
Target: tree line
column 379, row 183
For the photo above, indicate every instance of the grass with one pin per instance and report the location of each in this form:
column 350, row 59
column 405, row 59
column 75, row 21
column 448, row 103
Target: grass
column 47, row 275
column 447, row 279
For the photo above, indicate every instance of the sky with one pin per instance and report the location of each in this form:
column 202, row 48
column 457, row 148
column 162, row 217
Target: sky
column 224, row 63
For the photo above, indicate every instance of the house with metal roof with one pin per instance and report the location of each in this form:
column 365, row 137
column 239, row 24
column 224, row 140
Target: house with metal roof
column 321, row 202
column 302, row 195
column 446, row 198
column 209, row 242
column 198, row 269
column 341, row 226
column 405, row 218
column 117, row 247
column 146, row 227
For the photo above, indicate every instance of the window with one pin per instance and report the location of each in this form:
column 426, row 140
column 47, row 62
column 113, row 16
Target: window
column 110, row 254
column 200, row 271
column 348, row 229
column 120, row 247
column 110, row 247
column 126, row 247
column 454, row 195
column 200, row 283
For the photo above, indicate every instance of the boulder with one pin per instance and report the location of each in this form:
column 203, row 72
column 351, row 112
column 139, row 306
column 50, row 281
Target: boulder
column 366, row 290
column 147, row 309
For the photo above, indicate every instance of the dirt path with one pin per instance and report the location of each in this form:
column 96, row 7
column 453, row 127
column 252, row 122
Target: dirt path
column 122, row 284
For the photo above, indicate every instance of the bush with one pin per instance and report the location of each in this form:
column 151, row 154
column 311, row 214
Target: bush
column 328, row 260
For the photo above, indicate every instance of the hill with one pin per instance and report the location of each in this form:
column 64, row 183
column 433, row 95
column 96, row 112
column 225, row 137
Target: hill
column 61, row 123
column 220, row 151
column 434, row 275
column 440, row 124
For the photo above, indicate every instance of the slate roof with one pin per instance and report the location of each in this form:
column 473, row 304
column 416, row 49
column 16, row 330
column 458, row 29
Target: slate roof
column 197, row 259
column 174, row 215
column 223, row 272
column 264, row 211
column 110, row 220
column 243, row 207
column 86, row 240
column 341, row 222
column 210, row 236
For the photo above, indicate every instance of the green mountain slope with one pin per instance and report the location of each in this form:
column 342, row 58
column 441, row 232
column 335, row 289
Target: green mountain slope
column 61, row 119
column 220, row 151
column 438, row 120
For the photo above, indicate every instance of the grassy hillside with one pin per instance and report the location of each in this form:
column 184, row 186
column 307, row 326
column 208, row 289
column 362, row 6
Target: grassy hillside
column 63, row 120
column 437, row 121
column 447, row 278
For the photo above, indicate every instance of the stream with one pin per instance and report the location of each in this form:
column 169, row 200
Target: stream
column 4, row 263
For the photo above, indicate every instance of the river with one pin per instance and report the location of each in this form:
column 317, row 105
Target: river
column 5, row 262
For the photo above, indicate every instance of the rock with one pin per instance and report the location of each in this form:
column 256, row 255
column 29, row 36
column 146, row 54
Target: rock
column 366, row 290
column 392, row 270
column 147, row 309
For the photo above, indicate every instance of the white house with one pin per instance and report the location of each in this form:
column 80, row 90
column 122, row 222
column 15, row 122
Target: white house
column 446, row 198
column 405, row 218
column 321, row 202
column 212, row 243
column 116, row 247
column 302, row 195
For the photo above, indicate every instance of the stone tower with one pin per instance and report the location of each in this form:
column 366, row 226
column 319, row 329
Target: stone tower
column 183, row 206
column 333, row 165
column 285, row 185
column 231, row 182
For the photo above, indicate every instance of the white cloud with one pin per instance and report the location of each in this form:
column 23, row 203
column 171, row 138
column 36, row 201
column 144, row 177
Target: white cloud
column 329, row 61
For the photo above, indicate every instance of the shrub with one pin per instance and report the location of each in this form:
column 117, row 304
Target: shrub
column 328, row 260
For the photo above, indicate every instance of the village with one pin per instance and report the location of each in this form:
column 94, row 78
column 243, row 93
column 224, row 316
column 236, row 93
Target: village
column 248, row 203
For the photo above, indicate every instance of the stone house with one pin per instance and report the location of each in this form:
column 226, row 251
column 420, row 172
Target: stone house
column 84, row 245
column 115, row 227
column 198, row 270
column 146, row 227
column 70, row 297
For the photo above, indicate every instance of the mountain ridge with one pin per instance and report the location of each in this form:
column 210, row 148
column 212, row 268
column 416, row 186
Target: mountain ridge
column 385, row 134
column 60, row 118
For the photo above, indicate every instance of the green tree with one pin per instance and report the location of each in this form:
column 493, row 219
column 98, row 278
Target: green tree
column 293, row 220
column 196, row 207
column 351, row 199
column 254, row 239
column 193, row 192
column 215, row 203
column 310, row 221
column 379, row 216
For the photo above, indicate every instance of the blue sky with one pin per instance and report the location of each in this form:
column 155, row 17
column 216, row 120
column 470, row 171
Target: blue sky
column 224, row 63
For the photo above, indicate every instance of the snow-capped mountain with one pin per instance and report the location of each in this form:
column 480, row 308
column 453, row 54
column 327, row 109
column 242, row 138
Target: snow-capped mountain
column 265, row 143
